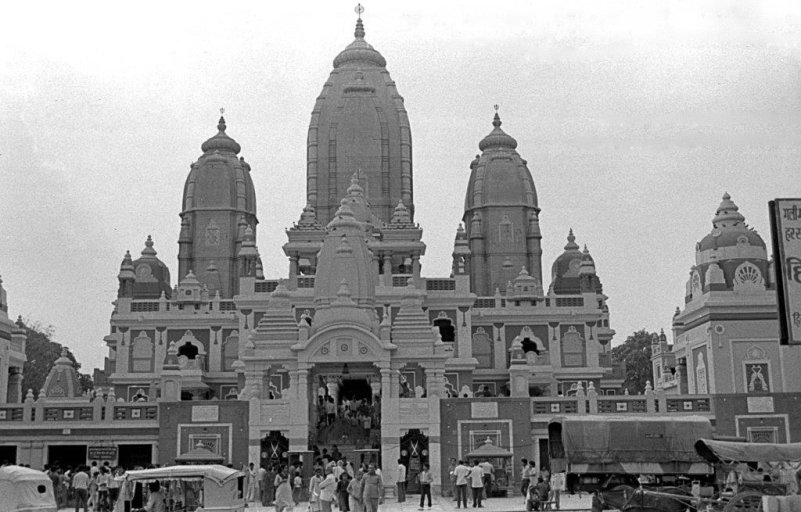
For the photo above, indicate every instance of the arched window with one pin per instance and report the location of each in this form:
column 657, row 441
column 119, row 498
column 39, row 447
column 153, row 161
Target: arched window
column 445, row 325
column 747, row 277
column 230, row 351
column 142, row 354
column 573, row 349
column 701, row 387
column 482, row 348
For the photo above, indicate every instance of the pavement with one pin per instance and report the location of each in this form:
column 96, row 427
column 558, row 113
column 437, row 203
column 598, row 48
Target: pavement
column 568, row 503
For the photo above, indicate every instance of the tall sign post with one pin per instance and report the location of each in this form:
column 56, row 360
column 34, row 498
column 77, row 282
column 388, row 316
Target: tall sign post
column 785, row 226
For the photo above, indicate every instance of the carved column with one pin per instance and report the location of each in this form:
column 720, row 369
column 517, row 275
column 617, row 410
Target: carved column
column 387, row 270
column 14, row 385
column 390, row 432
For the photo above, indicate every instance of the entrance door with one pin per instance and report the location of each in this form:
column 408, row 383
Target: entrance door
column 66, row 455
column 414, row 453
column 8, row 454
column 133, row 455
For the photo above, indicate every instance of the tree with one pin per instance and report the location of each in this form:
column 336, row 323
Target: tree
column 41, row 353
column 635, row 353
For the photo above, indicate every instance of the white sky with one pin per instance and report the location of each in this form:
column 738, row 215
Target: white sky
column 634, row 117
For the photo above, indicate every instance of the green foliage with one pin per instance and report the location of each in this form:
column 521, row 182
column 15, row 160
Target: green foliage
column 635, row 352
column 42, row 353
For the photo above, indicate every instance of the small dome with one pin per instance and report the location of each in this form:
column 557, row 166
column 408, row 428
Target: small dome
column 152, row 277
column 497, row 137
column 359, row 51
column 62, row 382
column 729, row 229
column 565, row 270
column 221, row 142
column 499, row 176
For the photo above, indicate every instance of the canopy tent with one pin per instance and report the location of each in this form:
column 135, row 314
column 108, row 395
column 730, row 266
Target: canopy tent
column 729, row 451
column 607, row 444
column 489, row 451
column 214, row 472
column 26, row 490
column 199, row 455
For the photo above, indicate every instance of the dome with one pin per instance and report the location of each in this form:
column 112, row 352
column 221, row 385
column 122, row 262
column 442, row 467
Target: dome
column 219, row 179
column 499, row 176
column 359, row 52
column 565, row 270
column 151, row 274
column 729, row 229
column 497, row 138
column 221, row 142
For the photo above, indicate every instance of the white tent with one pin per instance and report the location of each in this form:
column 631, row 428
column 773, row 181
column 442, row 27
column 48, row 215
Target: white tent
column 26, row 490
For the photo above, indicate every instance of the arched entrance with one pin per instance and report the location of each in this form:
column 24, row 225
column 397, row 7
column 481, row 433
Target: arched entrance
column 414, row 453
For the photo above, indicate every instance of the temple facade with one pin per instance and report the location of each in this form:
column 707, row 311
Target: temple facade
column 353, row 346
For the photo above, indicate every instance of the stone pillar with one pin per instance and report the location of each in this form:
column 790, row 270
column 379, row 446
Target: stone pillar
column 299, row 409
column 416, row 267
column 123, row 350
column 390, row 431
column 435, row 378
column 387, row 270
column 215, row 350
column 14, row 385
column 593, row 347
column 555, row 347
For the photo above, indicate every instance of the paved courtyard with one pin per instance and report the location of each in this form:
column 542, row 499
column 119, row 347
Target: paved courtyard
column 440, row 504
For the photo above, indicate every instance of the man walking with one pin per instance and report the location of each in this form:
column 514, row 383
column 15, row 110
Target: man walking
column 373, row 493
column 461, row 472
column 401, row 482
column 425, row 479
column 80, row 482
column 477, row 483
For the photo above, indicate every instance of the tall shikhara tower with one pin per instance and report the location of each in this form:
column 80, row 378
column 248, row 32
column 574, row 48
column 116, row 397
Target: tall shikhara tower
column 359, row 125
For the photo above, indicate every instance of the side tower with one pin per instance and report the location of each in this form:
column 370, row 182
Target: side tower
column 501, row 215
column 359, row 124
column 218, row 203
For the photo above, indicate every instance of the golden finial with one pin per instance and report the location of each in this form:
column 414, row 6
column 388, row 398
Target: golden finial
column 222, row 110
column 358, row 10
column 496, row 107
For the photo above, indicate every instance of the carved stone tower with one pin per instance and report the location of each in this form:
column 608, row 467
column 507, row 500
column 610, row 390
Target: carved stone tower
column 219, row 203
column 501, row 215
column 359, row 124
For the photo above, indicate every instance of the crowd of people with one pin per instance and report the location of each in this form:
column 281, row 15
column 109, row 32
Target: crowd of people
column 95, row 487
column 335, row 483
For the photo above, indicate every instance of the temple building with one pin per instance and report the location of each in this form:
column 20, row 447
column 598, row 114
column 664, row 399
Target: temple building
column 354, row 321
column 726, row 338
column 353, row 346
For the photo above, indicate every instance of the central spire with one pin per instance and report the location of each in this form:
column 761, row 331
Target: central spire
column 359, row 33
column 359, row 122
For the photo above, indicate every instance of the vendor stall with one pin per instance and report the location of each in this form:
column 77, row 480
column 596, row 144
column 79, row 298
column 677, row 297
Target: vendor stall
column 190, row 488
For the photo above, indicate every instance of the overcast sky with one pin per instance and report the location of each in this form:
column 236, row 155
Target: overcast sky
column 635, row 118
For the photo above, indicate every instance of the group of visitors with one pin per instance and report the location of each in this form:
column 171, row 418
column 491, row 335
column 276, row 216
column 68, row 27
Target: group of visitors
column 335, row 486
column 354, row 412
column 95, row 487
column 541, row 489
column 274, row 484
column 478, row 477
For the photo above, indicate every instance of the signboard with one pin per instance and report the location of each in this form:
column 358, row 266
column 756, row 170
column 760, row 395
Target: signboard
column 760, row 404
column 102, row 453
column 484, row 410
column 205, row 413
column 785, row 224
